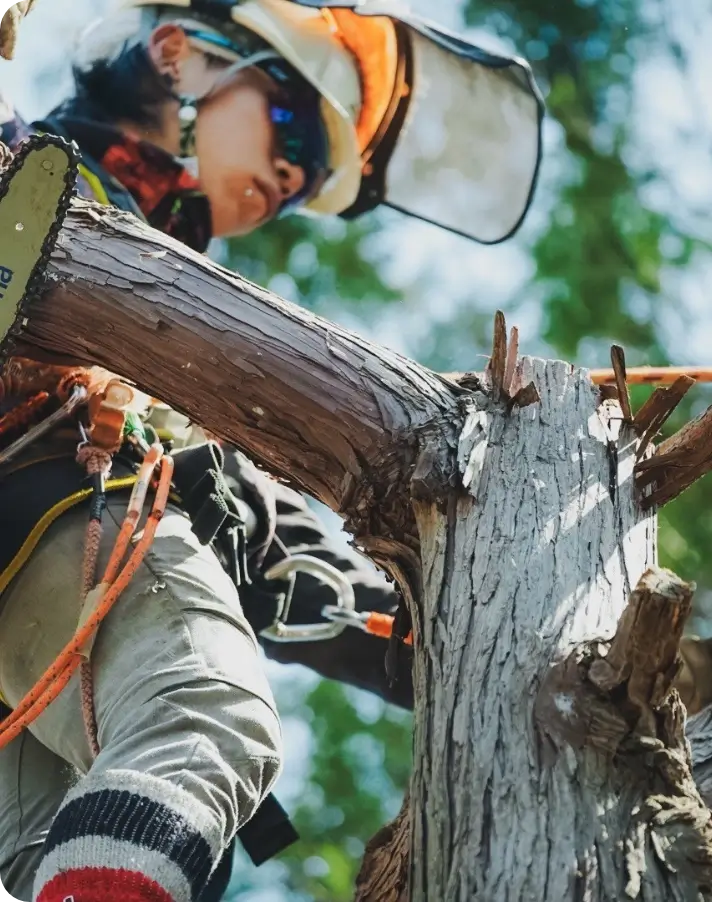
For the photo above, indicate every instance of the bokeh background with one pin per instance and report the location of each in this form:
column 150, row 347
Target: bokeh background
column 617, row 248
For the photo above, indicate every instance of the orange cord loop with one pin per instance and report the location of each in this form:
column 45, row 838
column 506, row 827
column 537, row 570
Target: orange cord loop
column 57, row 676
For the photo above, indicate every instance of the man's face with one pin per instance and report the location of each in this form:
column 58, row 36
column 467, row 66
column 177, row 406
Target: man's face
column 241, row 170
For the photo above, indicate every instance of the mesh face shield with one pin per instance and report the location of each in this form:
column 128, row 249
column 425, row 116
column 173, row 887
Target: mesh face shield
column 463, row 152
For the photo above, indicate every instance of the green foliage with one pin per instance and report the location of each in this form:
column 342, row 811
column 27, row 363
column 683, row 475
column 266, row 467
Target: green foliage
column 360, row 765
column 601, row 256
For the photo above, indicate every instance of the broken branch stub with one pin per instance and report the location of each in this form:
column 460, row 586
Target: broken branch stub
column 618, row 362
column 503, row 370
column 619, row 702
column 678, row 462
column 643, row 654
column 641, row 663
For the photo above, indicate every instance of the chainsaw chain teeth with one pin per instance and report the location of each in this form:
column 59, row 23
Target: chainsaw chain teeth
column 37, row 279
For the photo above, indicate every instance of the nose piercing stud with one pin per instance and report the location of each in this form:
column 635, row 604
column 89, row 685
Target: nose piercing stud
column 249, row 192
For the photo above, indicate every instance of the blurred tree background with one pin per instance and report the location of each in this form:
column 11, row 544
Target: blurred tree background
column 616, row 248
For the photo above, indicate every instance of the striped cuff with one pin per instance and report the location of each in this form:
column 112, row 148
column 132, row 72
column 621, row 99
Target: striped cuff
column 128, row 836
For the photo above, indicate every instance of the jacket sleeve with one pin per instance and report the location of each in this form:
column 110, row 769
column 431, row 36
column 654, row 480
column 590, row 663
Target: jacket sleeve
column 354, row 657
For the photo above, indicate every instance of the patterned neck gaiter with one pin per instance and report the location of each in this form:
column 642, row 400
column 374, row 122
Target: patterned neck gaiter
column 166, row 194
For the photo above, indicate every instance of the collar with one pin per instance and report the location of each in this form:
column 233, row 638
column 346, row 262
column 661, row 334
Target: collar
column 166, row 194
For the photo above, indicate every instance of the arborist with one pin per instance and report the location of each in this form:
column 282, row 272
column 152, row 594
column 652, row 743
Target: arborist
column 141, row 561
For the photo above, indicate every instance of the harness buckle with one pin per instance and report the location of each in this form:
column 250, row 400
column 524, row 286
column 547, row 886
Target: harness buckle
column 289, row 568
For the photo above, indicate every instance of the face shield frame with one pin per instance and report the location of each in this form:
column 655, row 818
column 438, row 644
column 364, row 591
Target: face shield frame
column 493, row 126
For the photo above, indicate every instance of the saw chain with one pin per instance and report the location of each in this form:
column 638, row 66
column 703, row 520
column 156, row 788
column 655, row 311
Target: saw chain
column 36, row 190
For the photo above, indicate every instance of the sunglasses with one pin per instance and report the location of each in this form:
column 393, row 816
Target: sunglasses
column 302, row 141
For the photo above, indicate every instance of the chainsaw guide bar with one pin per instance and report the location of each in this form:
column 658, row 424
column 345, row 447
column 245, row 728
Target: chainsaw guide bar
column 36, row 191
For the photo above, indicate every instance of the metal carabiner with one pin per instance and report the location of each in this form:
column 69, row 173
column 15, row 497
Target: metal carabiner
column 78, row 396
column 281, row 631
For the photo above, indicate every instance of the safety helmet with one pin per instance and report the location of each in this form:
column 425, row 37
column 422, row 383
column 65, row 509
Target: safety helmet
column 415, row 117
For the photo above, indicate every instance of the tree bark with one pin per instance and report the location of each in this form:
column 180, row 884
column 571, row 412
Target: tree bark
column 527, row 785
column 515, row 533
column 337, row 416
column 548, row 542
column 308, row 399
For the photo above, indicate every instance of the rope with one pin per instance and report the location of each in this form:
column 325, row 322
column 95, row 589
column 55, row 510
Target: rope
column 24, row 414
column 107, row 593
column 659, row 375
column 97, row 463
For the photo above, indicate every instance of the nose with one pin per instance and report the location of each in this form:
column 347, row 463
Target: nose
column 290, row 177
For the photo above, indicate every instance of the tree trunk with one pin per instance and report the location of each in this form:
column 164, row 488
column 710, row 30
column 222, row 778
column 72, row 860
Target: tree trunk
column 546, row 766
column 543, row 770
column 537, row 554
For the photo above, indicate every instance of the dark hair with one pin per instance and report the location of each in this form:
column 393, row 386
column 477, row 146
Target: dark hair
column 124, row 88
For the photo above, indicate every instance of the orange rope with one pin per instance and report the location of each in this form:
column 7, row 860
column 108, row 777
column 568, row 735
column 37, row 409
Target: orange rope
column 24, row 414
column 56, row 677
column 662, row 375
column 96, row 461
column 134, row 510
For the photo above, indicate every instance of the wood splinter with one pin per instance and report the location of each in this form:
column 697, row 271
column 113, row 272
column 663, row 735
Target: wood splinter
column 619, row 371
column 502, row 368
column 653, row 415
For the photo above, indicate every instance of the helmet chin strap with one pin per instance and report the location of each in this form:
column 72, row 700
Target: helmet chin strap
column 188, row 110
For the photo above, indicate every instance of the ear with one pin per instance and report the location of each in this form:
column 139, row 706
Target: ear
column 168, row 48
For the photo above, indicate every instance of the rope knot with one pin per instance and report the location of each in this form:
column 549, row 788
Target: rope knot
column 94, row 460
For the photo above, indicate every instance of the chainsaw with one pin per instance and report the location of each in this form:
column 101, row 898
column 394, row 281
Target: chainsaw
column 36, row 191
